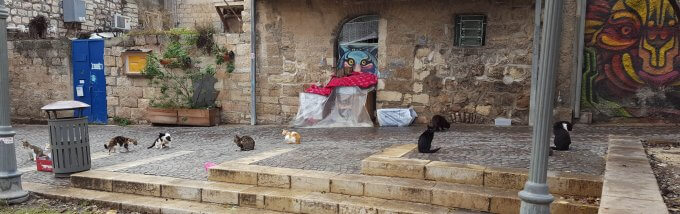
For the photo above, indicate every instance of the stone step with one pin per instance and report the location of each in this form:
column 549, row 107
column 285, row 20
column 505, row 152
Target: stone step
column 390, row 163
column 269, row 198
column 136, row 203
column 473, row 197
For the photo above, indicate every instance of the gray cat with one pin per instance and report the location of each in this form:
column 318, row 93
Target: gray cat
column 246, row 143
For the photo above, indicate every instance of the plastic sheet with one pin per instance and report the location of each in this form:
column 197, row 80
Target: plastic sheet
column 396, row 117
column 345, row 107
column 310, row 111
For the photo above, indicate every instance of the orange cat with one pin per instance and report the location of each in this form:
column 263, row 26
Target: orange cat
column 292, row 137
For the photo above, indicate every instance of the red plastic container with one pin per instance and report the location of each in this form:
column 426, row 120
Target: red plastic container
column 44, row 164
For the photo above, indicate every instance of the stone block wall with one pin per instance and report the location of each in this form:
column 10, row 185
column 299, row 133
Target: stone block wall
column 129, row 96
column 99, row 14
column 39, row 72
column 192, row 12
column 419, row 65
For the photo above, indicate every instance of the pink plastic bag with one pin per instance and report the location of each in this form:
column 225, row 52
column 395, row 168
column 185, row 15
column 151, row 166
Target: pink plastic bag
column 209, row 165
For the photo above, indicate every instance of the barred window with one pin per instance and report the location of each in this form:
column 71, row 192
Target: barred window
column 470, row 30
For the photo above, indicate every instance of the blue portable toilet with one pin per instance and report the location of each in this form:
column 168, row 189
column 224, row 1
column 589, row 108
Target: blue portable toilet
column 89, row 78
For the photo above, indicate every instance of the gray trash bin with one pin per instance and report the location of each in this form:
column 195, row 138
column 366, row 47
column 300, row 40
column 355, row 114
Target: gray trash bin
column 69, row 138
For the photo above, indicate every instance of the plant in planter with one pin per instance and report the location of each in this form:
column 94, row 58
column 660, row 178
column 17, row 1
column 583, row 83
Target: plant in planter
column 176, row 56
column 187, row 95
column 224, row 56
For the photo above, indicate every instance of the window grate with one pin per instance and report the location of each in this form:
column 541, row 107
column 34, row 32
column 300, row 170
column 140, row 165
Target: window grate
column 470, row 30
column 363, row 29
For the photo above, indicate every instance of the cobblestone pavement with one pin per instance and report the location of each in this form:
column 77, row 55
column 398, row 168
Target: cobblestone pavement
column 338, row 150
column 511, row 147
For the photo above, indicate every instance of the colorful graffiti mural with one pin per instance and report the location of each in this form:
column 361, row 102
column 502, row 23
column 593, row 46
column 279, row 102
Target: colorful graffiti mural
column 361, row 58
column 632, row 60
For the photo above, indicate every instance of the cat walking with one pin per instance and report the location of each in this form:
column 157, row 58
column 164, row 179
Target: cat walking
column 162, row 141
column 425, row 141
column 246, row 143
column 119, row 141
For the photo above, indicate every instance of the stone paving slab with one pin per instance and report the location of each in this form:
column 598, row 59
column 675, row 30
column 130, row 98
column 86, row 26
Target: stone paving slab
column 511, row 147
column 335, row 150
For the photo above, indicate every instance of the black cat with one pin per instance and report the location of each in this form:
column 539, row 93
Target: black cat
column 561, row 131
column 439, row 123
column 425, row 141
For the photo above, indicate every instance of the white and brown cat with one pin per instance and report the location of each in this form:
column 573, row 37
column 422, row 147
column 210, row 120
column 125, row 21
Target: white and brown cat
column 291, row 137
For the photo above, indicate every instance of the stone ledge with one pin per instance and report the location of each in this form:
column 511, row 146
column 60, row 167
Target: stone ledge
column 629, row 182
column 563, row 183
column 378, row 194
column 134, row 203
column 394, row 167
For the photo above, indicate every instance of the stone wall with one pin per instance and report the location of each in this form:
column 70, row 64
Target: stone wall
column 419, row 64
column 99, row 14
column 128, row 96
column 39, row 72
column 192, row 12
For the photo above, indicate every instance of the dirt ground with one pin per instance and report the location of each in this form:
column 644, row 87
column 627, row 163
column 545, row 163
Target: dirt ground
column 39, row 205
column 665, row 160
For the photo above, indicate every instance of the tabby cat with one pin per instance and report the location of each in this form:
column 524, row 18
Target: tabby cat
column 33, row 151
column 121, row 142
column 246, row 143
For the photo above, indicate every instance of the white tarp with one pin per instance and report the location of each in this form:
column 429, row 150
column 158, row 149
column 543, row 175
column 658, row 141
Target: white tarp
column 396, row 116
column 345, row 107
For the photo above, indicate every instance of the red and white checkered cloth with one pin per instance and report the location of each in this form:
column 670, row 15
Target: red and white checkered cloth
column 361, row 79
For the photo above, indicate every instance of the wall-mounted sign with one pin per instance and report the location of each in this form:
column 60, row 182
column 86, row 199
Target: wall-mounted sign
column 7, row 140
column 97, row 66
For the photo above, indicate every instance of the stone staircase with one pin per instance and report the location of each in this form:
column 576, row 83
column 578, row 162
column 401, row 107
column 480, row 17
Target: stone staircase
column 389, row 184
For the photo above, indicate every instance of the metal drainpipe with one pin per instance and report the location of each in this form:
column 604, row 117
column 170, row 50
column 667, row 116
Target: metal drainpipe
column 578, row 71
column 10, row 179
column 253, row 70
column 535, row 197
column 534, row 60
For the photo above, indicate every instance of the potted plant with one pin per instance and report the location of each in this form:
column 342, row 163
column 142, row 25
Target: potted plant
column 224, row 56
column 187, row 94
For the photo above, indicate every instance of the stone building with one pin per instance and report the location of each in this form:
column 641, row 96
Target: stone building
column 443, row 57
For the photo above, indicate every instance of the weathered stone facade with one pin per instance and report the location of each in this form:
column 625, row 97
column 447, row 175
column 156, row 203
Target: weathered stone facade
column 99, row 14
column 419, row 64
column 192, row 12
column 39, row 74
column 128, row 96
column 296, row 47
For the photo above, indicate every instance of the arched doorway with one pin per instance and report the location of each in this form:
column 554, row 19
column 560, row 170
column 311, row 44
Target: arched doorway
column 357, row 49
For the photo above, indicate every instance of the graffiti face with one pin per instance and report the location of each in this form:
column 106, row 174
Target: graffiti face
column 359, row 59
column 633, row 46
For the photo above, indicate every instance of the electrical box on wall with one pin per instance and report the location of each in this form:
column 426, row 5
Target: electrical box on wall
column 74, row 10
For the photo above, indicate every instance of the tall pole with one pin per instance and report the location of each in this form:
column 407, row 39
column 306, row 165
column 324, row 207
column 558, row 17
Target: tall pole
column 538, row 10
column 10, row 179
column 535, row 196
column 253, row 66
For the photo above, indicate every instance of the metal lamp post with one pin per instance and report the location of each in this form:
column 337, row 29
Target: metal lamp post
column 535, row 196
column 10, row 179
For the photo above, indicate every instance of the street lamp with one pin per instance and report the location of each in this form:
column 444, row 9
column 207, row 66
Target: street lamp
column 535, row 196
column 10, row 179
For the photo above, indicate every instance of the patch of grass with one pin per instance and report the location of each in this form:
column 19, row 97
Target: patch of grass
column 43, row 209
column 121, row 121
